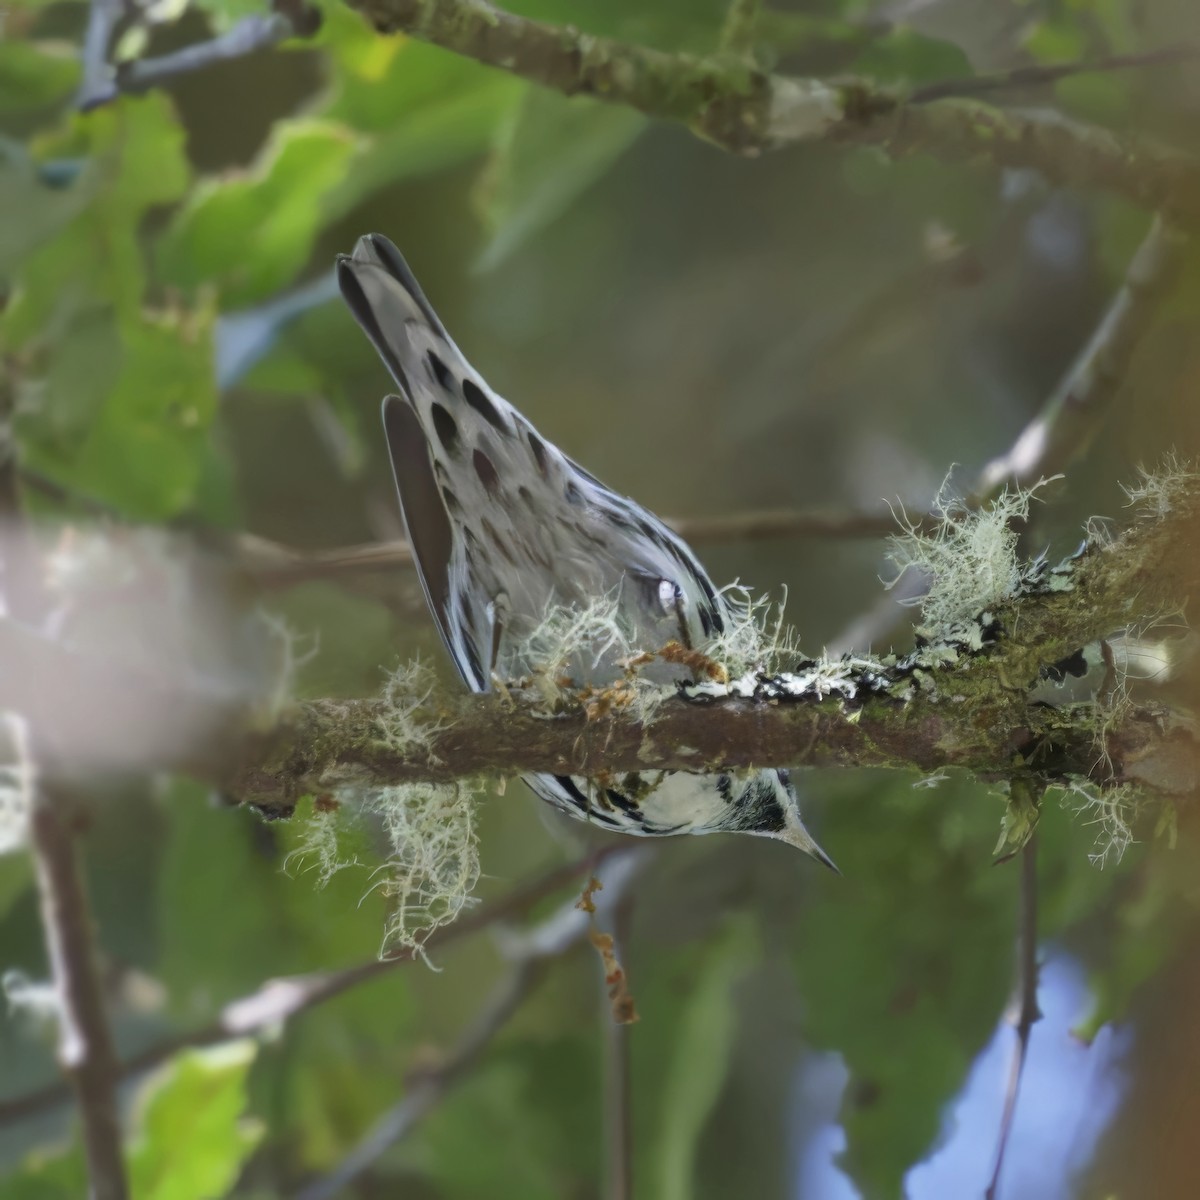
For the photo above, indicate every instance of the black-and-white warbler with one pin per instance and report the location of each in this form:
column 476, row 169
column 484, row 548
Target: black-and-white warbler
column 506, row 530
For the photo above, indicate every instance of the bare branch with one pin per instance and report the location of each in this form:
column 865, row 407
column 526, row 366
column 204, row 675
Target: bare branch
column 104, row 81
column 618, row 1082
column 1064, row 427
column 745, row 110
column 1041, row 74
column 85, row 1045
column 530, row 954
column 249, row 36
column 1027, row 1012
column 273, row 565
column 428, row 1089
column 98, row 73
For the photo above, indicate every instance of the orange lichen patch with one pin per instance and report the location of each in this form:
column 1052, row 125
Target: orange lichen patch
column 631, row 664
column 604, row 701
column 620, row 999
column 586, row 903
column 701, row 664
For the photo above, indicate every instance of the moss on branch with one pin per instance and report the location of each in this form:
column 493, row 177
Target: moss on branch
column 960, row 700
column 730, row 102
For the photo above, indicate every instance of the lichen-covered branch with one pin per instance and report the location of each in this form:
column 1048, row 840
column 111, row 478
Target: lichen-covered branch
column 737, row 106
column 961, row 700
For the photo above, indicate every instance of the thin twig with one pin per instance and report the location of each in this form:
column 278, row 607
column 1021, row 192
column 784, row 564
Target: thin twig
column 429, row 1089
column 85, row 1046
column 530, row 954
column 273, row 565
column 98, row 73
column 104, row 81
column 1027, row 1012
column 279, row 1000
column 250, row 35
column 786, row 523
column 1064, row 427
column 618, row 1086
column 1041, row 74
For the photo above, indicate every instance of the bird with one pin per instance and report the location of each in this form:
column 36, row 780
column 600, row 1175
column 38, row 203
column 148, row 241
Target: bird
column 505, row 528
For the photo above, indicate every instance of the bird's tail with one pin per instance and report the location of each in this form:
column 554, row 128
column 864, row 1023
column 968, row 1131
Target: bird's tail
column 386, row 300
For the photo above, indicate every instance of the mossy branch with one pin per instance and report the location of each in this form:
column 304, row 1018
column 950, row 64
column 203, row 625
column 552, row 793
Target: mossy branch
column 730, row 102
column 961, row 701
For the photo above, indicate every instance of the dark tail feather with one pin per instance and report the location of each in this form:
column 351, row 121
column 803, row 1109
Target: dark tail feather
column 384, row 296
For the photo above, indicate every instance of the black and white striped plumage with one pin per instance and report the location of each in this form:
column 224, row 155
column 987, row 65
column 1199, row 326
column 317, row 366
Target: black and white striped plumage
column 505, row 527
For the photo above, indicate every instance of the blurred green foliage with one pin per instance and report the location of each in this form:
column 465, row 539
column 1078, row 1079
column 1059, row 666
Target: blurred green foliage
column 191, row 1140
column 705, row 333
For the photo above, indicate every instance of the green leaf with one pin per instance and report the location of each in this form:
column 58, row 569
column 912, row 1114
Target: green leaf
column 396, row 110
column 423, row 108
column 286, row 925
column 907, row 56
column 16, row 877
column 380, row 83
column 226, row 13
column 1105, row 98
column 250, row 234
column 1120, row 21
column 1056, row 39
column 703, row 1048
column 194, row 1137
column 146, row 411
column 523, row 1127
column 31, row 212
column 446, row 132
column 547, row 156
column 35, row 74
column 48, row 1174
column 136, row 160
column 927, row 927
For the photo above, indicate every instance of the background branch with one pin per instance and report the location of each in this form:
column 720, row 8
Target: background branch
column 530, row 953
column 104, row 81
column 273, row 565
column 1073, row 412
column 618, row 1081
column 1027, row 1013
column 746, row 110
column 85, row 1045
column 1042, row 74
column 279, row 1000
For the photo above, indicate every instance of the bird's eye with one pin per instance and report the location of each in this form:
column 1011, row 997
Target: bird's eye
column 670, row 595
